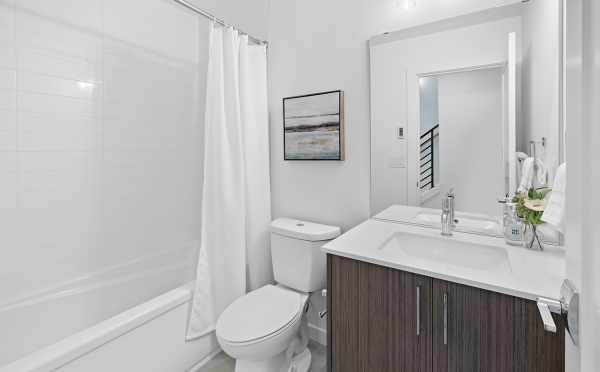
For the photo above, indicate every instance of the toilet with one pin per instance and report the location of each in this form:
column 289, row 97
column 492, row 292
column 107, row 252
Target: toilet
column 266, row 330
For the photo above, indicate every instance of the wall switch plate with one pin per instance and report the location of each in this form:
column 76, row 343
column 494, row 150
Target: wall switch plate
column 400, row 132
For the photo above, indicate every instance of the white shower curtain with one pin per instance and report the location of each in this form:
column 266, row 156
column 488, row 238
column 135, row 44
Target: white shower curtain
column 236, row 208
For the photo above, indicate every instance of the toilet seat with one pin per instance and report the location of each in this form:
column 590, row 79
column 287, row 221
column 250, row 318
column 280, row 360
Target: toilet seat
column 260, row 314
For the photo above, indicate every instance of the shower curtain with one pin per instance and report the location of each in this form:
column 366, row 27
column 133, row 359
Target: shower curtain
column 236, row 209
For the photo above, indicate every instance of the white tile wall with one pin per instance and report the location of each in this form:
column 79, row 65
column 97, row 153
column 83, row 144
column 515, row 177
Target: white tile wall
column 7, row 21
column 100, row 137
column 8, row 54
column 8, row 130
column 63, row 66
column 8, row 79
column 8, row 99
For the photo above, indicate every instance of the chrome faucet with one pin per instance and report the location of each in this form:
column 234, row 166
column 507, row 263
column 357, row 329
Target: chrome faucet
column 446, row 222
column 450, row 197
column 447, row 219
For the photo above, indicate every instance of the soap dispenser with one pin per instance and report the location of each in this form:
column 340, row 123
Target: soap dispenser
column 513, row 226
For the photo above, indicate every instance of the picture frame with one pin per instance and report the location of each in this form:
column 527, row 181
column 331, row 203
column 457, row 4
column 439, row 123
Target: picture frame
column 313, row 127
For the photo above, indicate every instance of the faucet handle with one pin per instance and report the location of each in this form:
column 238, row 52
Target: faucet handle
column 546, row 307
column 450, row 193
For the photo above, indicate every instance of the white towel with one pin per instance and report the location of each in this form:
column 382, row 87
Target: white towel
column 526, row 175
column 555, row 208
column 521, row 156
column 533, row 175
column 540, row 174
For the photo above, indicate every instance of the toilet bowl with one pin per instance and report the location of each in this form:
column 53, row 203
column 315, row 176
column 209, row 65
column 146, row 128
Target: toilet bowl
column 257, row 329
column 266, row 330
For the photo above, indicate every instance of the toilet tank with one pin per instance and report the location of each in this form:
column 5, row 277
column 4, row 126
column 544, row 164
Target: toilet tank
column 298, row 261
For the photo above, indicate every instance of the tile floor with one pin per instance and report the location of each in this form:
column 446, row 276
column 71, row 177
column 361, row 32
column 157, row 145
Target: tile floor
column 223, row 363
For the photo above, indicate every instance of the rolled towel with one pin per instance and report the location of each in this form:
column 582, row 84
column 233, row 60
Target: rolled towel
column 540, row 174
column 554, row 214
column 526, row 175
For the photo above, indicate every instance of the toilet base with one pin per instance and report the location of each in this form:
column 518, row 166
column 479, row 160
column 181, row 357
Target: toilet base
column 300, row 363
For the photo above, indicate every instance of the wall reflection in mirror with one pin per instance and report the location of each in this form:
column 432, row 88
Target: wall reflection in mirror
column 471, row 104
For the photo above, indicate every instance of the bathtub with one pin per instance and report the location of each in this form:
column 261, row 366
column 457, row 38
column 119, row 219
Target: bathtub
column 110, row 321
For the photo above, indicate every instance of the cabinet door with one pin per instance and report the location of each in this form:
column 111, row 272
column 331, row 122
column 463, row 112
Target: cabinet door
column 374, row 315
column 477, row 330
column 344, row 318
column 410, row 322
column 359, row 334
column 536, row 349
column 457, row 330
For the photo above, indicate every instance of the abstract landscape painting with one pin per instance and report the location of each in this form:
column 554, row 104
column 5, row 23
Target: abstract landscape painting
column 313, row 127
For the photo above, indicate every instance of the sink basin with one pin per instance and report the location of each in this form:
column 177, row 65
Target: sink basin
column 469, row 222
column 447, row 251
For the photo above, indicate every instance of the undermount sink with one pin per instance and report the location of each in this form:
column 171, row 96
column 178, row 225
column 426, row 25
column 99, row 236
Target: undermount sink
column 448, row 251
column 466, row 222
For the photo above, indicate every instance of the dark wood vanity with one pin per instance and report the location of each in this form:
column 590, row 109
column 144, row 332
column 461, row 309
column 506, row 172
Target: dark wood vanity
column 382, row 319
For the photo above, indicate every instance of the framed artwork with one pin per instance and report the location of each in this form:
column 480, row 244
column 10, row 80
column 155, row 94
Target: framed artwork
column 313, row 126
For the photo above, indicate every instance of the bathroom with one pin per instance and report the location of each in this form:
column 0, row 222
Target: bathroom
column 280, row 185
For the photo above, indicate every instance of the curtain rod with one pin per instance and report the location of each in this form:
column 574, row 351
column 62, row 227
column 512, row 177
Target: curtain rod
column 219, row 21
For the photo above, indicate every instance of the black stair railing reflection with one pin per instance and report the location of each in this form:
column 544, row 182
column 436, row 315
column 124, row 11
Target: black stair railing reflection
column 427, row 175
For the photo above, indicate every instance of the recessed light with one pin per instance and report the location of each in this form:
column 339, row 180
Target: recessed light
column 406, row 4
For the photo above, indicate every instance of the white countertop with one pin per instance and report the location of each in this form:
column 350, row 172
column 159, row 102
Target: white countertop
column 502, row 268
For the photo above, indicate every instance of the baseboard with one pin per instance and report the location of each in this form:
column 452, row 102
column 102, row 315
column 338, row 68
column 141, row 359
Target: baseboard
column 196, row 367
column 317, row 334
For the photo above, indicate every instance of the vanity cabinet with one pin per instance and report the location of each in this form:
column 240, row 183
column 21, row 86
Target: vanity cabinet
column 382, row 319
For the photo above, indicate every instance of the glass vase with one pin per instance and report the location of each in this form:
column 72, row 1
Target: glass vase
column 531, row 238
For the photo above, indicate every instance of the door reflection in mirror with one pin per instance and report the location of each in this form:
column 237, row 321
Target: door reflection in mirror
column 462, row 135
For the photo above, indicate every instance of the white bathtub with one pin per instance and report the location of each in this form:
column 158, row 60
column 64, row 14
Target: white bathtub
column 110, row 321
column 149, row 337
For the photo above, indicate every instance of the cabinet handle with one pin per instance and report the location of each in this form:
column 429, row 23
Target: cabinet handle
column 445, row 318
column 418, row 310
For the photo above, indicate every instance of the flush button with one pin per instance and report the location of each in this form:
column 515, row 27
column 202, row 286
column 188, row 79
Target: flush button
column 300, row 224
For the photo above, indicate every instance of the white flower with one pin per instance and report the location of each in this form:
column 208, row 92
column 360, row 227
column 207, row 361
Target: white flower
column 536, row 205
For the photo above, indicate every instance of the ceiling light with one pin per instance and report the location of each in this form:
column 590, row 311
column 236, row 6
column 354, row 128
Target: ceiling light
column 406, row 4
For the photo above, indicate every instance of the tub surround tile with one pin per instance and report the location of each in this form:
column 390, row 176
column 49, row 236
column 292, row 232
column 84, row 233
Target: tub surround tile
column 8, row 130
column 100, row 122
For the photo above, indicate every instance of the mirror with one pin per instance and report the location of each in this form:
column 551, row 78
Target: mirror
column 459, row 104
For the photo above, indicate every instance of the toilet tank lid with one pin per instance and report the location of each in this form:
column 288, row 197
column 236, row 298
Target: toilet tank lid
column 304, row 230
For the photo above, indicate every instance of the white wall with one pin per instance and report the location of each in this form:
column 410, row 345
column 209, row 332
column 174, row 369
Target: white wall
column 583, row 202
column 101, row 107
column 429, row 103
column 590, row 299
column 430, row 117
column 577, row 172
column 541, row 70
